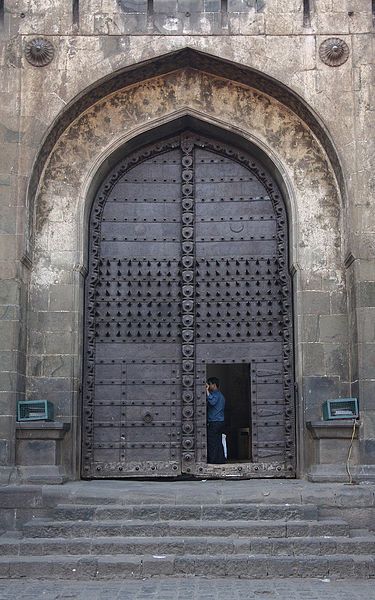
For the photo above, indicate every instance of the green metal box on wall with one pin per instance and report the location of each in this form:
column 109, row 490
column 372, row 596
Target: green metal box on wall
column 35, row 410
column 342, row 408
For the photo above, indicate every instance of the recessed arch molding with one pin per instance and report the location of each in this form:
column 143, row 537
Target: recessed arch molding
column 167, row 63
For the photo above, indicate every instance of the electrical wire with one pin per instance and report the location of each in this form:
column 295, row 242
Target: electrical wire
column 350, row 482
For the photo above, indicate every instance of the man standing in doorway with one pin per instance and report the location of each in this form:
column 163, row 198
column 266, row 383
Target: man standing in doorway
column 215, row 421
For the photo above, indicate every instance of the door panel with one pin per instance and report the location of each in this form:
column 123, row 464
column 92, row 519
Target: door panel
column 133, row 313
column 240, row 309
column 188, row 267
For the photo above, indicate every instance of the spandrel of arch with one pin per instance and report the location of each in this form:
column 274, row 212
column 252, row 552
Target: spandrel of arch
column 162, row 65
column 292, row 149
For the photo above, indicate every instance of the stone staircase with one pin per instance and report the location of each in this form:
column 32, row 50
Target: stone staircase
column 249, row 540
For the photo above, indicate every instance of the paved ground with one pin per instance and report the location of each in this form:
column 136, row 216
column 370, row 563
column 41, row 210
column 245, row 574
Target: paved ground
column 189, row 589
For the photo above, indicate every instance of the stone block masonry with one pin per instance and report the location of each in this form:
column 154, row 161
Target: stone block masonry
column 46, row 190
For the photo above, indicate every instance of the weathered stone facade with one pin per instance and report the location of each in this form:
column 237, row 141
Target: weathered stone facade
column 121, row 69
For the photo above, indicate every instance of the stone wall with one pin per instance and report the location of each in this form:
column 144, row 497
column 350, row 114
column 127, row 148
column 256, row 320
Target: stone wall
column 42, row 232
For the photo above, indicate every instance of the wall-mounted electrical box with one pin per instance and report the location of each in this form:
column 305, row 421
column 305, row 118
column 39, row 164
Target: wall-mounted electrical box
column 35, row 410
column 342, row 408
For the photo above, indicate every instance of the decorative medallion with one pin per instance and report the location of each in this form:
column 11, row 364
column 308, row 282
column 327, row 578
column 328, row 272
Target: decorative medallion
column 39, row 52
column 334, row 52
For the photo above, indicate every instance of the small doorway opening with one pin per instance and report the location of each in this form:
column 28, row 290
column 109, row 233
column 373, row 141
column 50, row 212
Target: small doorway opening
column 235, row 385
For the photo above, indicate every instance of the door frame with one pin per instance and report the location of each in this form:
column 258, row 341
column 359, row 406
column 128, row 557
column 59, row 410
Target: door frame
column 227, row 470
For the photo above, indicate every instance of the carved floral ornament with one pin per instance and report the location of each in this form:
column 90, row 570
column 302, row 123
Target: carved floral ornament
column 334, row 52
column 39, row 52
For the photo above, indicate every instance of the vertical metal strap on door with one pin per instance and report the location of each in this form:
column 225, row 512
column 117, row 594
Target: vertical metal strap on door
column 188, row 302
column 287, row 336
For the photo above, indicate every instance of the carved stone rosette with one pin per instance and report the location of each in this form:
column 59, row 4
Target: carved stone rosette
column 334, row 52
column 39, row 52
column 188, row 302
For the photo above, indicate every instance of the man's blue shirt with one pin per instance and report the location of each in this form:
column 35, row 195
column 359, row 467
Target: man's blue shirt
column 215, row 406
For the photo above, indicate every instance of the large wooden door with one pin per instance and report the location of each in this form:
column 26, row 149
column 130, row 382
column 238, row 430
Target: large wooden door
column 187, row 267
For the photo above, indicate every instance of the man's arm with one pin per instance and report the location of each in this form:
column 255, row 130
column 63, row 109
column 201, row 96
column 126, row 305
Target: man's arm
column 212, row 398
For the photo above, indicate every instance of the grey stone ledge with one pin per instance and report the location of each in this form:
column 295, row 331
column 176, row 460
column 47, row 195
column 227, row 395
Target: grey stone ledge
column 340, row 429
column 41, row 430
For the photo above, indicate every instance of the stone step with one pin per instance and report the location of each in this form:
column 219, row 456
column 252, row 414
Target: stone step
column 277, row 528
column 186, row 512
column 124, row 566
column 187, row 545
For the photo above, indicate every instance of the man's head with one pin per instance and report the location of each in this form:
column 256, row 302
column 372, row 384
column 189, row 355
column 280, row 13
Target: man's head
column 213, row 384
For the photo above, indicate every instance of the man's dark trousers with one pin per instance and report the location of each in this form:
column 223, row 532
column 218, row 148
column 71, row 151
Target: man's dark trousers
column 215, row 450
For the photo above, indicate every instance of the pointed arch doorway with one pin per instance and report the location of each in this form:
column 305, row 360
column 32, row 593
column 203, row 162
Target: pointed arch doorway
column 187, row 278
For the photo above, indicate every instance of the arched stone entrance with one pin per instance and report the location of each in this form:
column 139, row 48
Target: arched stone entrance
column 188, row 277
column 96, row 140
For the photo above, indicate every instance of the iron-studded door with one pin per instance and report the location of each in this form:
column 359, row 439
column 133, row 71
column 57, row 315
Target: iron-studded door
column 132, row 392
column 187, row 266
column 243, row 301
